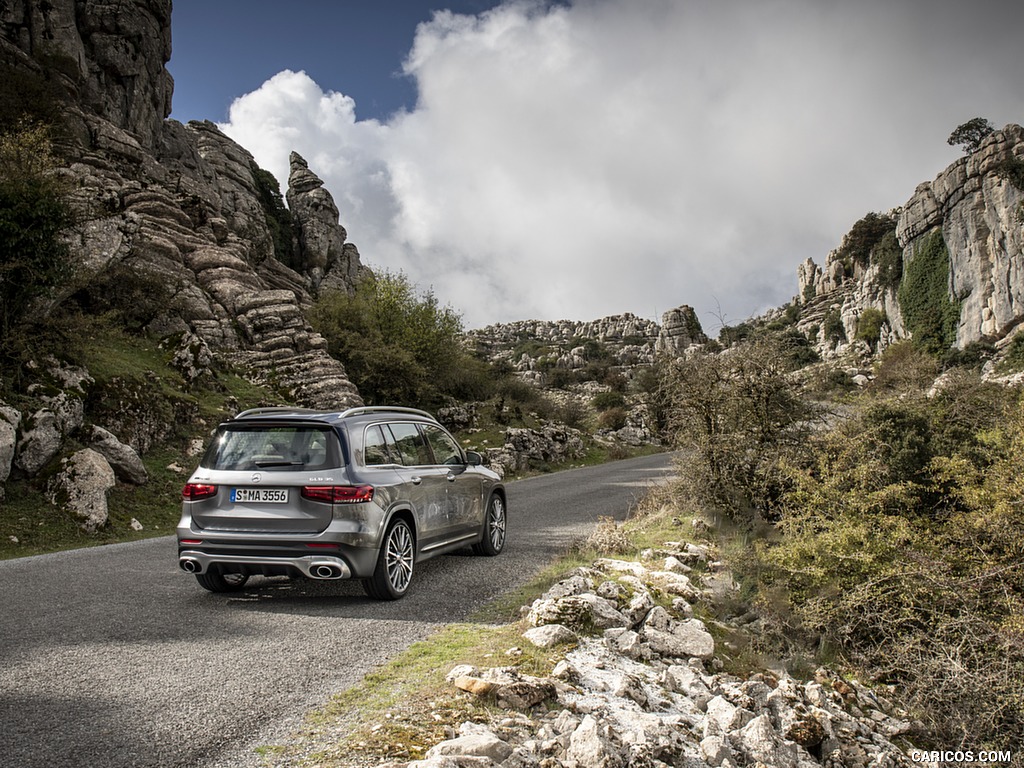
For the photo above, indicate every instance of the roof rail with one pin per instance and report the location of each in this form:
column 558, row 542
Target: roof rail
column 276, row 409
column 358, row 410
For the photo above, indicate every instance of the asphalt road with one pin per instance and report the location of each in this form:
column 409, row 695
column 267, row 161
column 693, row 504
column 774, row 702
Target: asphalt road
column 113, row 657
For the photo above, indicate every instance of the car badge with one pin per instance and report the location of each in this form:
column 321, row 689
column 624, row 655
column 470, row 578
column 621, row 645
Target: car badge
column 256, row 477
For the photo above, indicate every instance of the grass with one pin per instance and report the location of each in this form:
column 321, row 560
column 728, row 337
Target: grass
column 124, row 365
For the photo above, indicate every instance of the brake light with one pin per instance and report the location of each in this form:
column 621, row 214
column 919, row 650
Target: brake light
column 190, row 542
column 338, row 494
column 196, row 491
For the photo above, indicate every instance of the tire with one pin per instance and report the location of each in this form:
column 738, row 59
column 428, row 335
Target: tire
column 393, row 574
column 217, row 581
column 492, row 540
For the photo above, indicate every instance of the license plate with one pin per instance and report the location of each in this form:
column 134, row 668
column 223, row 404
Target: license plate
column 260, row 495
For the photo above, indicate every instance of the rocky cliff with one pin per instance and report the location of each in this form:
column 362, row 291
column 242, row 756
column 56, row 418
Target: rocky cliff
column 181, row 204
column 977, row 205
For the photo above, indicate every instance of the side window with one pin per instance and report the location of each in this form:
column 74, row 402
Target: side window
column 375, row 448
column 410, row 444
column 446, row 450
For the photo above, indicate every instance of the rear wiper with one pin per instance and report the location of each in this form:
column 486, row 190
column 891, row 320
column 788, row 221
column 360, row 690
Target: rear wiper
column 264, row 464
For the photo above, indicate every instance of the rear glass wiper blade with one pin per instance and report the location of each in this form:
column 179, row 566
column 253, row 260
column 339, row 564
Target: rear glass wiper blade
column 265, row 464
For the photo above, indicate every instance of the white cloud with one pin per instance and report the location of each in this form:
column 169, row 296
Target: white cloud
column 610, row 156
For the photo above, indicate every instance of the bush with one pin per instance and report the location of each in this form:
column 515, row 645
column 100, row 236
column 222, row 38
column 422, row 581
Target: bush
column 612, row 418
column 397, row 346
column 34, row 213
column 603, row 401
column 833, row 326
column 738, row 413
column 869, row 325
column 903, row 366
column 862, row 238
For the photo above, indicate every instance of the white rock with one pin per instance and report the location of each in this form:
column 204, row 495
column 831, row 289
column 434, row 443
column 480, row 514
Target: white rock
column 10, row 420
column 136, row 525
column 724, row 717
column 589, row 749
column 81, row 488
column 686, row 680
column 550, row 635
column 122, row 458
column 482, row 744
column 760, row 742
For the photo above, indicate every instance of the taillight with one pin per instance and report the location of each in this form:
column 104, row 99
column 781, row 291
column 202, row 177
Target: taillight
column 196, row 491
column 338, row 494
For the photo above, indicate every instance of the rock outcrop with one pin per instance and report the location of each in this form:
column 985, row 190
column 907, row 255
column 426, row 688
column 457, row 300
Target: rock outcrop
column 977, row 204
column 626, row 341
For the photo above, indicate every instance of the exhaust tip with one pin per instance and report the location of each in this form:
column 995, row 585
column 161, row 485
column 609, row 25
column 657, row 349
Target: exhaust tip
column 326, row 572
column 189, row 565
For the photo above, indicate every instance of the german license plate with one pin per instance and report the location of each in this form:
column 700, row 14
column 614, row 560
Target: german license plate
column 260, row 495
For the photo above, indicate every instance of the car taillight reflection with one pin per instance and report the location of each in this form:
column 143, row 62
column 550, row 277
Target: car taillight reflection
column 338, row 494
column 196, row 491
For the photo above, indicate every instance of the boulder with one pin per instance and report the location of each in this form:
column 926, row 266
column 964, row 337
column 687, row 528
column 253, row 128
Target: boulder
column 550, row 635
column 479, row 744
column 10, row 420
column 81, row 488
column 122, row 458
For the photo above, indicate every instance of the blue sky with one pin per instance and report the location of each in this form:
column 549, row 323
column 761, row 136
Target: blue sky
column 223, row 49
column 579, row 159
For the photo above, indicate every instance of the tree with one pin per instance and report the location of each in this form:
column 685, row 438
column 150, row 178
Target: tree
column 34, row 213
column 969, row 135
column 399, row 346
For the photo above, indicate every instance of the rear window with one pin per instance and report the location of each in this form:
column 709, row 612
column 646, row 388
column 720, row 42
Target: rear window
column 284, row 448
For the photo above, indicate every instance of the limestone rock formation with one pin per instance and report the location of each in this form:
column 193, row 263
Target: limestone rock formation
column 680, row 330
column 110, row 53
column 175, row 206
column 323, row 253
column 978, row 207
column 977, row 203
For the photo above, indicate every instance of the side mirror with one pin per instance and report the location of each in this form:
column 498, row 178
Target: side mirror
column 474, row 459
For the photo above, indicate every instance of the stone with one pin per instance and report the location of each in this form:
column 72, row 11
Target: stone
column 475, row 685
column 480, row 744
column 122, row 458
column 550, row 635
column 10, row 420
column 686, row 681
column 688, row 638
column 759, row 741
column 581, row 612
column 589, row 748
column 81, row 488
column 524, row 694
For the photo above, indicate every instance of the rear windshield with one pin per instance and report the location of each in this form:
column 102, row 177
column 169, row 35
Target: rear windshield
column 273, row 448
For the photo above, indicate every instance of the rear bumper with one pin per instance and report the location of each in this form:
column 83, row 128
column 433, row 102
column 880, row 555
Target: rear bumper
column 311, row 566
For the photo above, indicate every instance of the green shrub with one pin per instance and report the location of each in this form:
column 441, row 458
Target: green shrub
column 397, row 346
column 833, row 326
column 869, row 325
column 888, row 255
column 606, row 400
column 863, row 237
column 903, row 366
column 928, row 312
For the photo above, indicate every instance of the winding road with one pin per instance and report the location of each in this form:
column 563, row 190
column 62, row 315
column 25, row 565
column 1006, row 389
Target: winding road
column 112, row 657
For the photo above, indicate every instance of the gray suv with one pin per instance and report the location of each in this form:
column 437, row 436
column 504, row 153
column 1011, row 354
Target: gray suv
column 365, row 493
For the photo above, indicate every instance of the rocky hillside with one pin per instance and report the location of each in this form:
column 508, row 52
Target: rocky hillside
column 533, row 347
column 181, row 214
column 975, row 206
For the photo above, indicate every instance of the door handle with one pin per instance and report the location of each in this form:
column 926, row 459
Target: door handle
column 416, row 480
column 450, row 478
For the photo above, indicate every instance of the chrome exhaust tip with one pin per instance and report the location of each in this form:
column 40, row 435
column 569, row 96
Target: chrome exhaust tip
column 189, row 565
column 326, row 572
